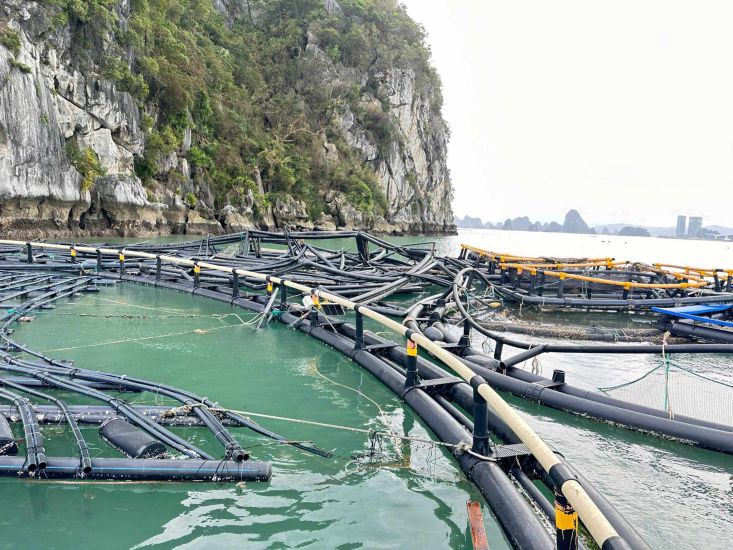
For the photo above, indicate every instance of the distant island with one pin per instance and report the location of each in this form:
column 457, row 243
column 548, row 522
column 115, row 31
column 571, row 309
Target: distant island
column 574, row 223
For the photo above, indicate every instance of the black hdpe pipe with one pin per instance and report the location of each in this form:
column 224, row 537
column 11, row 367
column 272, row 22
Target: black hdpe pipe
column 696, row 331
column 484, row 360
column 719, row 438
column 517, row 518
column 707, row 438
column 708, row 435
column 148, row 469
column 34, row 383
column 608, row 302
column 98, row 414
column 581, row 348
column 233, row 450
column 85, row 461
column 520, row 374
column 534, row 492
column 239, row 419
column 202, row 412
column 516, row 471
column 462, row 394
column 232, row 447
column 465, row 397
column 35, row 452
column 188, row 290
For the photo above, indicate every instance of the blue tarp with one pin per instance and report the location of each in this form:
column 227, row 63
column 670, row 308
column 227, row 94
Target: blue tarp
column 696, row 313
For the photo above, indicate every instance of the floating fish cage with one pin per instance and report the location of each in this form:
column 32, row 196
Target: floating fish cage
column 441, row 355
column 599, row 283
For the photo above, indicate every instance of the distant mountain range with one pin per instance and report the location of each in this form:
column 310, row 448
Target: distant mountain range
column 574, row 223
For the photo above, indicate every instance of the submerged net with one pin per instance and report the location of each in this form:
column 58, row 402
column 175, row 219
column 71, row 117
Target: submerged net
column 679, row 391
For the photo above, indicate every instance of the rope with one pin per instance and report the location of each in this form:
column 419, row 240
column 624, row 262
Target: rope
column 335, row 427
column 607, row 389
column 371, row 433
column 186, row 409
column 536, row 366
column 128, row 340
column 118, row 302
column 365, row 396
column 146, row 317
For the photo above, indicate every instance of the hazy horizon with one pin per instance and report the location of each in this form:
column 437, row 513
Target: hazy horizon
column 592, row 224
column 622, row 111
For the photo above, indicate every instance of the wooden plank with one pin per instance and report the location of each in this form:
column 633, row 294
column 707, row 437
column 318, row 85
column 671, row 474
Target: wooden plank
column 476, row 522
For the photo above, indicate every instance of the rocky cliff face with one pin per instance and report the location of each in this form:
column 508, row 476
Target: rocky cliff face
column 47, row 106
column 69, row 140
column 411, row 169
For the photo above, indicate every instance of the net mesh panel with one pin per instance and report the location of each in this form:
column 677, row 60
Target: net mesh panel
column 678, row 390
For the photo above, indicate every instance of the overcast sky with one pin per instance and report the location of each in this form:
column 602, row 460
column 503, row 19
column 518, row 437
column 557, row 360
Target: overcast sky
column 621, row 109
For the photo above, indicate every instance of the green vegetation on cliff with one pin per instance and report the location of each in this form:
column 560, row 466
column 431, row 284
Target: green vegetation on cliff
column 235, row 79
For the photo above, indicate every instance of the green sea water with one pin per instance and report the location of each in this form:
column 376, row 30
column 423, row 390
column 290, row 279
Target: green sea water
column 407, row 493
column 370, row 495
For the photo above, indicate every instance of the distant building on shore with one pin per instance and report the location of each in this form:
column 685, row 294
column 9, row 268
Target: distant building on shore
column 681, row 227
column 695, row 228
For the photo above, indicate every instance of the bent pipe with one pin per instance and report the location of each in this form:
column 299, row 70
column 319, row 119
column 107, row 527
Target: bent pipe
column 85, row 462
column 42, row 373
column 232, row 447
column 121, row 407
column 35, row 452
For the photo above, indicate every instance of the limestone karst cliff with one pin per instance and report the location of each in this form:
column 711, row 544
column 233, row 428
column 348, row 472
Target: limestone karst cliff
column 125, row 117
